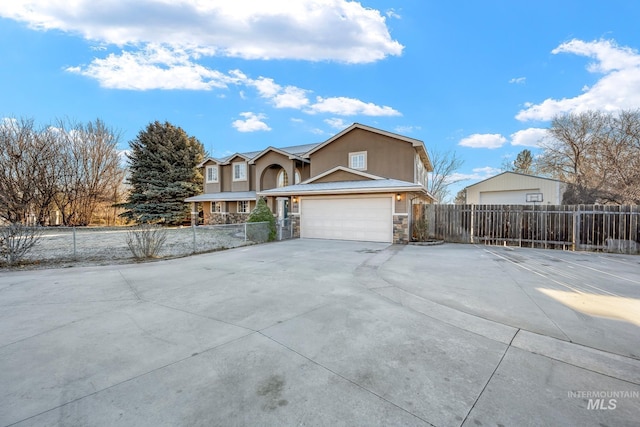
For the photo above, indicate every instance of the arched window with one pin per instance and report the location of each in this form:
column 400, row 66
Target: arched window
column 283, row 179
column 297, row 178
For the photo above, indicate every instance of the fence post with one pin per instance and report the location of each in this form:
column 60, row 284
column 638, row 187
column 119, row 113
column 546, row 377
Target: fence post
column 193, row 227
column 74, row 242
column 245, row 231
column 473, row 224
column 576, row 228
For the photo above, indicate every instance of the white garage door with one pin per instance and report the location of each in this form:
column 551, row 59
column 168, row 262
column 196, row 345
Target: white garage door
column 365, row 219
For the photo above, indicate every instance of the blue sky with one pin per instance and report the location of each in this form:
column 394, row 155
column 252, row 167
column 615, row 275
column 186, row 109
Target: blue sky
column 478, row 77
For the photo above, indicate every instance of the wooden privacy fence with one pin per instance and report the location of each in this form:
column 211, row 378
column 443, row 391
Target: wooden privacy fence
column 572, row 227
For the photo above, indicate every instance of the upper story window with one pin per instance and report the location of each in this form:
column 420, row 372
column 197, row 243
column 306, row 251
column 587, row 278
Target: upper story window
column 240, row 171
column 212, row 173
column 283, row 179
column 358, row 160
column 297, row 178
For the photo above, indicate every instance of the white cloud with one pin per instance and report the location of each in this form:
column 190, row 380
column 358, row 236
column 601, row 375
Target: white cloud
column 291, row 97
column 337, row 123
column 343, row 106
column 518, row 80
column 252, row 123
column 528, row 137
column 487, row 140
column 267, row 88
column 155, row 67
column 314, row 30
column 406, row 129
column 391, row 13
column 618, row 88
column 477, row 174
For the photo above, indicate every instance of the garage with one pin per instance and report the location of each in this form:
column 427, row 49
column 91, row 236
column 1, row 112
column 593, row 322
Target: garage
column 514, row 197
column 347, row 218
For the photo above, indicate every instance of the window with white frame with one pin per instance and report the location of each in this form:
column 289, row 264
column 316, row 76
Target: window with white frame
column 243, row 206
column 297, row 179
column 283, row 179
column 216, row 207
column 212, row 173
column 240, row 171
column 358, row 160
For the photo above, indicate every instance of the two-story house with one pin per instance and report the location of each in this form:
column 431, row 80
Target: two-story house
column 357, row 185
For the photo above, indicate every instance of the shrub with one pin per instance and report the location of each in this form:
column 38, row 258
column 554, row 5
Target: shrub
column 16, row 240
column 146, row 240
column 421, row 230
column 261, row 213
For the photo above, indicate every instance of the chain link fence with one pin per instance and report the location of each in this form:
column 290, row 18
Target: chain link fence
column 106, row 245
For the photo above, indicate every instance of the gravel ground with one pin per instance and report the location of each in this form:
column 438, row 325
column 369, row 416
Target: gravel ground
column 102, row 246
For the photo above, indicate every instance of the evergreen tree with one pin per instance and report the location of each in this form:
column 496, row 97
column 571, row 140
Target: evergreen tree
column 524, row 162
column 162, row 173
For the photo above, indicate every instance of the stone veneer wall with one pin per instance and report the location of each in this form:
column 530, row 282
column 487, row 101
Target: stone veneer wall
column 401, row 229
column 295, row 223
column 217, row 218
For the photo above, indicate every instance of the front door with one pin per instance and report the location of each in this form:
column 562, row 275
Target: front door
column 283, row 208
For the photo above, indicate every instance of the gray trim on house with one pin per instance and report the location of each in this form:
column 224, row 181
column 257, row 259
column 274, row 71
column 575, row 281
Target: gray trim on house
column 228, row 196
column 345, row 187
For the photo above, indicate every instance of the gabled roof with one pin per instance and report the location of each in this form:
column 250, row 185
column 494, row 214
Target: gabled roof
column 246, row 156
column 417, row 144
column 279, row 151
column 513, row 173
column 208, row 159
column 293, row 152
column 343, row 169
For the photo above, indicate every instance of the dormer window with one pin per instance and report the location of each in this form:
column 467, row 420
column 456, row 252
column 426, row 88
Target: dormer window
column 240, row 171
column 212, row 174
column 358, row 160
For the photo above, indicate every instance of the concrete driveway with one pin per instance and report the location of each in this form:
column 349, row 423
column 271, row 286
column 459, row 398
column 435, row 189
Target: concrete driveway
column 310, row 332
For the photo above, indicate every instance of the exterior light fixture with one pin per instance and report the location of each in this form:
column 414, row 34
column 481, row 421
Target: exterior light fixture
column 295, row 199
column 398, row 197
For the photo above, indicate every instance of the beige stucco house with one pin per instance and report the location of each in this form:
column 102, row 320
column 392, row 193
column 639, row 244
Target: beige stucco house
column 359, row 184
column 511, row 188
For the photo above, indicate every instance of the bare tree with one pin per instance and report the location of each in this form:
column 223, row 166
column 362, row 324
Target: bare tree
column 70, row 166
column 27, row 171
column 597, row 154
column 445, row 164
column 89, row 169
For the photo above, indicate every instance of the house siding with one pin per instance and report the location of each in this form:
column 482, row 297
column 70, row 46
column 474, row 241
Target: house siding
column 386, row 156
column 339, row 175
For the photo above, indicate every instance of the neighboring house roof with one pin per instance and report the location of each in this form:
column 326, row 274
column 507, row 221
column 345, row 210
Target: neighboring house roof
column 223, row 197
column 382, row 185
column 513, row 173
column 418, row 144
